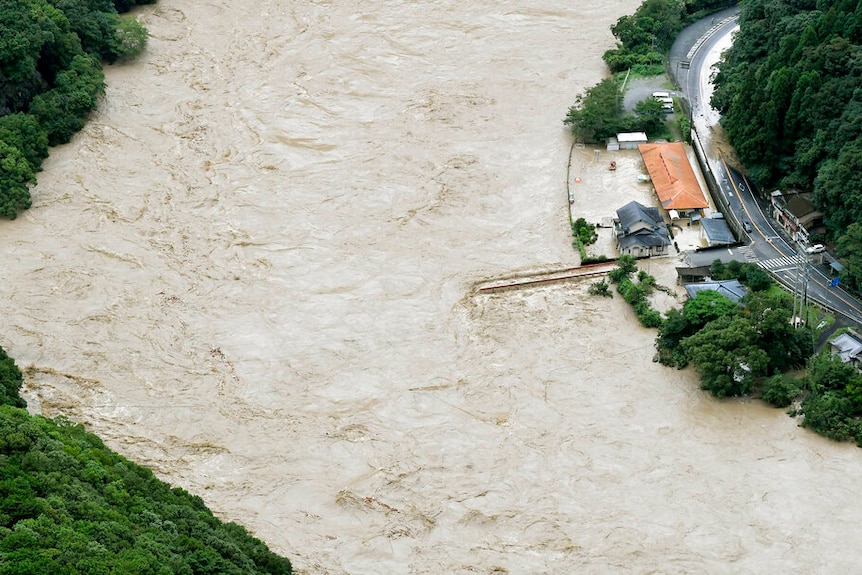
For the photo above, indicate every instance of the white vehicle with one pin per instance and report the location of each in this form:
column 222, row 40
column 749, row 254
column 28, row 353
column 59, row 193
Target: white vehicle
column 660, row 95
column 815, row 249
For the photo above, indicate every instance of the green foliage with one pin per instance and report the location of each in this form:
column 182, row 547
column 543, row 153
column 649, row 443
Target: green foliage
column 644, row 37
column 63, row 110
column 70, row 505
column 726, row 354
column 601, row 288
column 22, row 131
column 826, row 372
column 128, row 40
column 51, row 78
column 584, row 231
column 833, row 404
column 748, row 274
column 732, row 346
column 594, row 259
column 10, row 381
column 15, row 175
column 780, row 390
column 635, row 294
column 756, row 279
column 649, row 116
column 627, row 263
column 647, row 282
column 596, row 114
column 850, row 252
column 672, row 331
column 706, row 306
column 770, row 313
column 789, row 93
column 830, row 414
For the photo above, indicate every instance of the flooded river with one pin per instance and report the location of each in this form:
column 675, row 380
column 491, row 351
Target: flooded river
column 254, row 272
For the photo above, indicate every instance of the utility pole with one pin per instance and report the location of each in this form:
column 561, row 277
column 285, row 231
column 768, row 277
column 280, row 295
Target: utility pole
column 800, row 288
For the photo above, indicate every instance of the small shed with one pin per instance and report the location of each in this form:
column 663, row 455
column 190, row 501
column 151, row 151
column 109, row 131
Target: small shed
column 631, row 140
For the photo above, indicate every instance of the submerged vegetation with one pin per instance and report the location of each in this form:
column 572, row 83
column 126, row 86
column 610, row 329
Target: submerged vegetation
column 51, row 54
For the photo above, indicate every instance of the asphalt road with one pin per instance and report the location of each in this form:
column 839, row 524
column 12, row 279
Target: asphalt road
column 694, row 52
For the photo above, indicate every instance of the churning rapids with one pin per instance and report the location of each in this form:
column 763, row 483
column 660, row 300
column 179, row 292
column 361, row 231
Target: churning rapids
column 253, row 271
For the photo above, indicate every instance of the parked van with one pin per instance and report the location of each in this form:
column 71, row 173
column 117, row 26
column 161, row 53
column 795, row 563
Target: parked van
column 660, row 95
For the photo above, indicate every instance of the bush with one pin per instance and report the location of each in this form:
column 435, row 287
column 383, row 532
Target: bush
column 601, row 288
column 829, row 414
column 128, row 40
column 584, row 231
column 781, row 390
column 63, row 110
column 10, row 382
column 594, row 259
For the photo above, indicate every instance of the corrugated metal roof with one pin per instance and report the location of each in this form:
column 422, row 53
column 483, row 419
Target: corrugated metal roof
column 717, row 231
column 673, row 177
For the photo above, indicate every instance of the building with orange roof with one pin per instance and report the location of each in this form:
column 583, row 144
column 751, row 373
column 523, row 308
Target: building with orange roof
column 676, row 185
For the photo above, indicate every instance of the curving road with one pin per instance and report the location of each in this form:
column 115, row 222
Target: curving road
column 692, row 57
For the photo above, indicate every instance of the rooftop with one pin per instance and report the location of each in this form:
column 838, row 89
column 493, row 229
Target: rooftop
column 673, row 177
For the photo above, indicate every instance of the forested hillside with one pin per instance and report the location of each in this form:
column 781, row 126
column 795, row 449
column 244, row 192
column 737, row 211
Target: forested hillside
column 51, row 54
column 789, row 93
column 69, row 505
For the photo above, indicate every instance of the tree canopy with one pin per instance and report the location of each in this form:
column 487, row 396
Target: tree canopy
column 790, row 93
column 69, row 505
column 646, row 36
column 51, row 54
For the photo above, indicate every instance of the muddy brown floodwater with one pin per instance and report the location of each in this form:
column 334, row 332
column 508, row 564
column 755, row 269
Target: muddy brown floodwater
column 253, row 271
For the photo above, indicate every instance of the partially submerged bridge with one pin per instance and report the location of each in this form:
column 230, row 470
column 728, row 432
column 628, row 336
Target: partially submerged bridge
column 545, row 278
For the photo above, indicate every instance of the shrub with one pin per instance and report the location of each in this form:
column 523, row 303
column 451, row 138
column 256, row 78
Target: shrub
column 829, row 414
column 601, row 288
column 781, row 390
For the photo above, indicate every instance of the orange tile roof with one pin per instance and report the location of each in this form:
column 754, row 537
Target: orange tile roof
column 671, row 173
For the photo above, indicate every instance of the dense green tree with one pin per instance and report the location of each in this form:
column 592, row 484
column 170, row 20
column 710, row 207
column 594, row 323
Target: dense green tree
column 70, row 505
column 128, row 39
column 23, row 131
column 649, row 116
column 595, row 115
column 756, row 279
column 780, row 390
column 830, row 414
column 645, row 35
column 706, row 306
column 850, row 252
column 790, row 93
column 51, row 52
column 786, row 346
column 726, row 355
column 63, row 110
column 16, row 173
column 839, row 185
column 672, row 331
column 826, row 372
column 10, row 381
